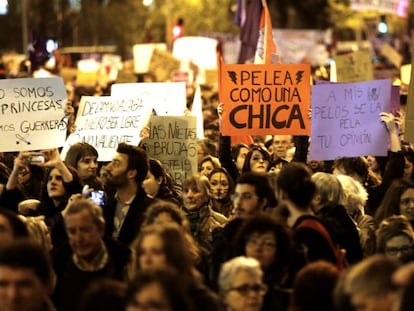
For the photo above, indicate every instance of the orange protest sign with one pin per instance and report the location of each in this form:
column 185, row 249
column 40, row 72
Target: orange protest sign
column 265, row 99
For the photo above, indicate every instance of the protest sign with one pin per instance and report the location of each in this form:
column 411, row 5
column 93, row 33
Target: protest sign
column 354, row 67
column 163, row 65
column 173, row 141
column 167, row 98
column 265, row 99
column 104, row 122
column 142, row 55
column 32, row 114
column 398, row 7
column 345, row 119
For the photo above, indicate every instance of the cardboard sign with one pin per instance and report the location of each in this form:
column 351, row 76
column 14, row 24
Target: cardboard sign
column 173, row 141
column 167, row 98
column 104, row 122
column 345, row 119
column 163, row 65
column 32, row 110
column 354, row 67
column 142, row 55
column 265, row 99
column 398, row 7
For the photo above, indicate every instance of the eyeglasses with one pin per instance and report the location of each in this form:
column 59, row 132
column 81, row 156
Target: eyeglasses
column 393, row 251
column 268, row 244
column 243, row 196
column 244, row 289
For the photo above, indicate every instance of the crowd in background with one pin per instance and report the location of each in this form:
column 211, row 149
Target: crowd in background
column 260, row 227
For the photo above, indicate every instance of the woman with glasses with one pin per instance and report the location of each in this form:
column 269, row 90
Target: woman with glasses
column 395, row 238
column 268, row 241
column 240, row 284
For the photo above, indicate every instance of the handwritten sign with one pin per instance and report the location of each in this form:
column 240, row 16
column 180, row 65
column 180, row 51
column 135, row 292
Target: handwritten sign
column 173, row 141
column 345, row 119
column 104, row 122
column 354, row 67
column 32, row 110
column 265, row 99
column 167, row 98
column 398, row 7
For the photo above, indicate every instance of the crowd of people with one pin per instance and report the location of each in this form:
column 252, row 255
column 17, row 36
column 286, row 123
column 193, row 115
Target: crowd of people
column 260, row 227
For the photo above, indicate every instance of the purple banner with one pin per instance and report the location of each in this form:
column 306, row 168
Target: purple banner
column 345, row 119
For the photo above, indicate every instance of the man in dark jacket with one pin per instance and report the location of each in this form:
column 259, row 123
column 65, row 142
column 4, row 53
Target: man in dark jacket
column 125, row 210
column 89, row 257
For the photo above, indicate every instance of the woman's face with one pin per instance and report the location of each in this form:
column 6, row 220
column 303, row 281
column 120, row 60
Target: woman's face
column 408, row 168
column 194, row 198
column 372, row 163
column 206, row 168
column 407, row 204
column 151, row 297
column 151, row 184
column 241, row 157
column 55, row 187
column 258, row 163
column 262, row 246
column 246, row 292
column 87, row 167
column 399, row 247
column 219, row 186
column 151, row 252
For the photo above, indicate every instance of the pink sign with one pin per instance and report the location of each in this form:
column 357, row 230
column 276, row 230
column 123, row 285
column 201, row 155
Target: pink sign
column 345, row 119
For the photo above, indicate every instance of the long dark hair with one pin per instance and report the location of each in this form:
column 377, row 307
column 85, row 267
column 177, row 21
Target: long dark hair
column 263, row 223
column 174, row 289
column 390, row 204
column 264, row 152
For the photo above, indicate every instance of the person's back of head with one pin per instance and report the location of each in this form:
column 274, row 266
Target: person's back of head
column 406, row 300
column 104, row 295
column 13, row 227
column 356, row 167
column 355, row 195
column 294, row 182
column 163, row 287
column 370, row 285
column 328, row 189
column 24, row 254
column 307, row 296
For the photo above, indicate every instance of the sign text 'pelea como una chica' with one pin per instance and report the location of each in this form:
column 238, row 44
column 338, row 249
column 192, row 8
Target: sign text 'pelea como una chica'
column 265, row 99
